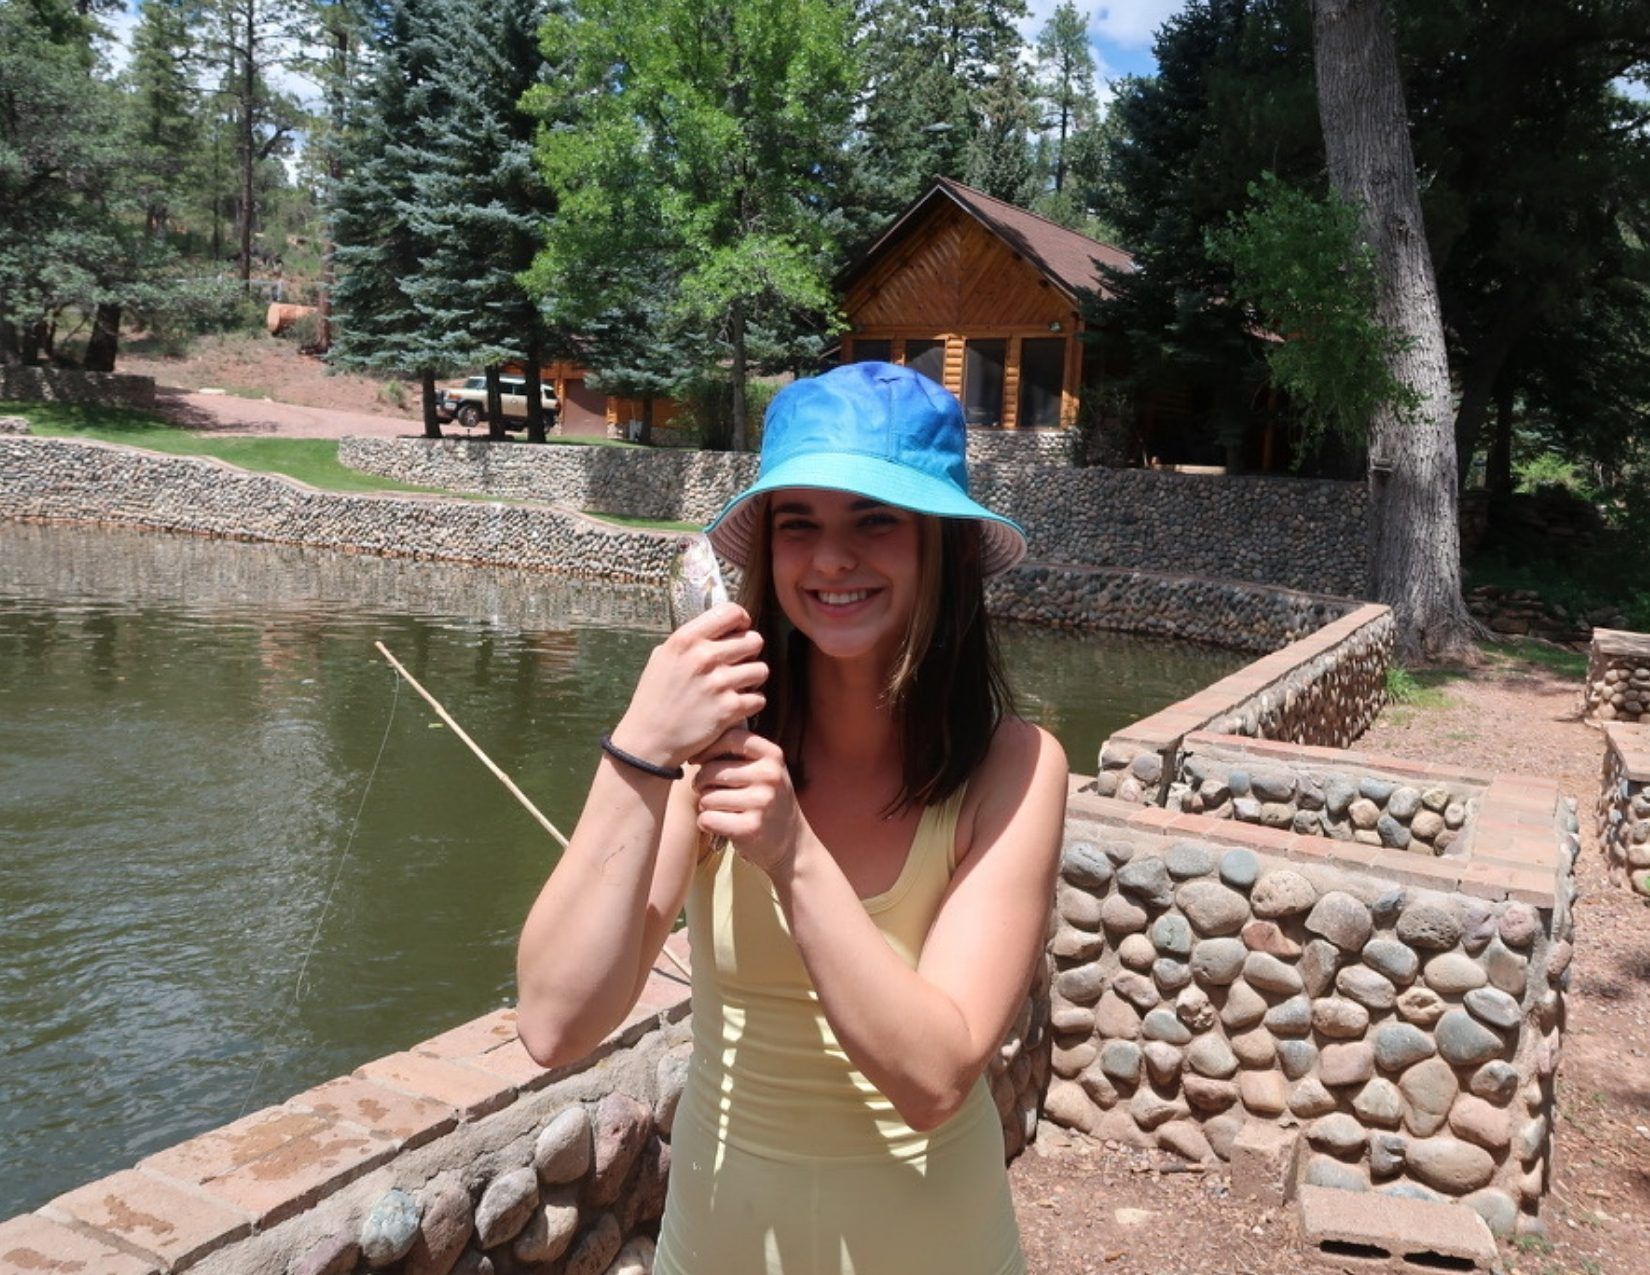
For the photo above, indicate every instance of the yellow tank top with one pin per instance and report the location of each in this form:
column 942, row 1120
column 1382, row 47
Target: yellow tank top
column 785, row 1159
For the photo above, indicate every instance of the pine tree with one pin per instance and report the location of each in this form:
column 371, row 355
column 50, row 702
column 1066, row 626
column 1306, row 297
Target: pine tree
column 1001, row 156
column 376, row 205
column 933, row 79
column 484, row 209
column 71, row 240
column 1065, row 72
column 166, row 105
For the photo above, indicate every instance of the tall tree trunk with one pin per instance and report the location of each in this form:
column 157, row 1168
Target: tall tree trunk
column 104, row 343
column 535, row 392
column 1415, row 551
column 426, row 398
column 1498, row 475
column 248, row 88
column 495, row 407
column 736, row 323
column 1483, row 372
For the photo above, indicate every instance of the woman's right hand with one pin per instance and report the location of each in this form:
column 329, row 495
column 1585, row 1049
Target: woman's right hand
column 700, row 681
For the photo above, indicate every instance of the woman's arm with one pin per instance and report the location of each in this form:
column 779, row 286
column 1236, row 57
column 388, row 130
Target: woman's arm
column 922, row 1036
column 601, row 918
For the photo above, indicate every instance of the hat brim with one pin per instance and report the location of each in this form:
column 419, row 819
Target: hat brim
column 731, row 532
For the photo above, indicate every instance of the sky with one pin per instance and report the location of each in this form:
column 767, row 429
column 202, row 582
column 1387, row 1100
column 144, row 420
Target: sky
column 1120, row 33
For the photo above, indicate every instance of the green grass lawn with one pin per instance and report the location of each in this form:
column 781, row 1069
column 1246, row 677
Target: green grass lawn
column 309, row 460
column 646, row 524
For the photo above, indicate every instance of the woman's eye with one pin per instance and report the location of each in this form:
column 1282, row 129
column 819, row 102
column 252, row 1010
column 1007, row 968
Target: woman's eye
column 873, row 522
column 793, row 526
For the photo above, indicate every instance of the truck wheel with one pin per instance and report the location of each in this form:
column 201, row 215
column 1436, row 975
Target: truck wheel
column 469, row 416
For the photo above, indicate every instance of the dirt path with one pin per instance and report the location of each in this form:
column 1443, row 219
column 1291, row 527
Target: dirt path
column 230, row 414
column 1086, row 1208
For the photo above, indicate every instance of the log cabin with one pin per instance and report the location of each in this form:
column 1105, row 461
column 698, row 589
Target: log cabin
column 986, row 299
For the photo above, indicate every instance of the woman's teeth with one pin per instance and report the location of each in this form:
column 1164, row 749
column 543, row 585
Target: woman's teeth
column 843, row 599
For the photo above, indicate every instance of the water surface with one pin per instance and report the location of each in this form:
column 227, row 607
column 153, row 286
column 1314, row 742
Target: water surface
column 207, row 774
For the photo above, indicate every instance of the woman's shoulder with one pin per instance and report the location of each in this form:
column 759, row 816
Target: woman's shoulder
column 1023, row 759
column 1017, row 741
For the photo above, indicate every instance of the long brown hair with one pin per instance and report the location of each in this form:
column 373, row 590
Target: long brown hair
column 947, row 687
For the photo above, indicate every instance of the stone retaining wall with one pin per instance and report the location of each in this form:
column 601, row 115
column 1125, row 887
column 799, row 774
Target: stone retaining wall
column 65, row 385
column 1244, row 617
column 1623, row 809
column 1618, row 677
column 460, row 1154
column 1297, row 533
column 1323, row 688
column 1216, row 976
column 1346, row 796
column 70, row 480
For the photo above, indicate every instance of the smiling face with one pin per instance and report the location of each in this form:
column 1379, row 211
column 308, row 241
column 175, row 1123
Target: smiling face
column 846, row 571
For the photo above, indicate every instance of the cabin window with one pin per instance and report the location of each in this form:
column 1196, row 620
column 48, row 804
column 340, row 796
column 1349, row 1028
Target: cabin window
column 983, row 382
column 872, row 351
column 1042, row 374
column 927, row 357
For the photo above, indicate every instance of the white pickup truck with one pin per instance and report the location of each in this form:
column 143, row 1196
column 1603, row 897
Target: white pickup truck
column 467, row 403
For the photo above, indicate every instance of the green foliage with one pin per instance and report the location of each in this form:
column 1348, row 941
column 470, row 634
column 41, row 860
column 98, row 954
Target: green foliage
column 180, row 309
column 705, row 406
column 1549, row 469
column 1536, row 204
column 707, row 134
column 1065, row 75
column 1296, row 260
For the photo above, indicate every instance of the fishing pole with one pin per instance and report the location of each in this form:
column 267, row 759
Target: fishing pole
column 497, row 772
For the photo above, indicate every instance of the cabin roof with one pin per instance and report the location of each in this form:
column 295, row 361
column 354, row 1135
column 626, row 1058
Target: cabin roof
column 1070, row 260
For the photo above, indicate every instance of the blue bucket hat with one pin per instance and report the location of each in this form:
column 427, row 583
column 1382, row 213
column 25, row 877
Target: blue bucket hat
column 877, row 430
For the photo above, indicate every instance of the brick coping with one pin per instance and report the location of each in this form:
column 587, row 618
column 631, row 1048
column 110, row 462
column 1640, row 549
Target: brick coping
column 1510, row 848
column 191, row 1199
column 1621, row 642
column 1163, row 729
column 1630, row 742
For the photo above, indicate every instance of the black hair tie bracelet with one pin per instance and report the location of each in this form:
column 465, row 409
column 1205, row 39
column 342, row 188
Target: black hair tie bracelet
column 639, row 763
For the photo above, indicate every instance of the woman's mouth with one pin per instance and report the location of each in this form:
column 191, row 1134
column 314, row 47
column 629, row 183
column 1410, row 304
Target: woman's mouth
column 840, row 599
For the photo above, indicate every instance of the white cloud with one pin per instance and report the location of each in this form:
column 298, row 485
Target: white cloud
column 1132, row 23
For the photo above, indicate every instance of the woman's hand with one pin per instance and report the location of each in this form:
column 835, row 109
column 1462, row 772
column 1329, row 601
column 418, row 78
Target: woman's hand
column 745, row 795
column 699, row 682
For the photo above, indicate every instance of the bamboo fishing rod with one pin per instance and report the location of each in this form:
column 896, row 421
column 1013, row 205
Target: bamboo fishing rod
column 499, row 774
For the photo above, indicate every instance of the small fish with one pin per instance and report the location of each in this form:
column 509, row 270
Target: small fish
column 696, row 583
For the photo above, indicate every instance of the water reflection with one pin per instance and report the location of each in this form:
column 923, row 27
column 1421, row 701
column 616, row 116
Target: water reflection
column 187, row 728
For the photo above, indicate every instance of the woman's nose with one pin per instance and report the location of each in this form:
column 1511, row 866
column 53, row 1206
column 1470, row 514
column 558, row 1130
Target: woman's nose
column 834, row 554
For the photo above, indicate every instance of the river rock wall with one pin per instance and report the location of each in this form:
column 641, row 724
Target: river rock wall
column 459, row 1154
column 1323, row 688
column 1618, row 677
column 1343, row 795
column 69, row 480
column 1296, row 533
column 1411, row 1032
column 1623, row 809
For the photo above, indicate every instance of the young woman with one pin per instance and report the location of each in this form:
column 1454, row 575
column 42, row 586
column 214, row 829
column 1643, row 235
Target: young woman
column 867, row 869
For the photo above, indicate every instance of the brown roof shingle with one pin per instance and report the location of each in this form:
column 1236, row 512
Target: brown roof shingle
column 1071, row 260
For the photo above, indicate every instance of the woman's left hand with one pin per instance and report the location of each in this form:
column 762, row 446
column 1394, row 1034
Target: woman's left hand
column 745, row 795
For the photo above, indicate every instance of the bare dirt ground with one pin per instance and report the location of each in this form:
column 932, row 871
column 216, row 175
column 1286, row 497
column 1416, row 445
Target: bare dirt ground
column 1084, row 1207
column 267, row 387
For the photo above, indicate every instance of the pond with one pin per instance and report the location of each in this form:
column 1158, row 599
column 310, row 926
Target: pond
column 209, row 783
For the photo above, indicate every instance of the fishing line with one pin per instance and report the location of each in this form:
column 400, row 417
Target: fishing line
column 326, row 903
